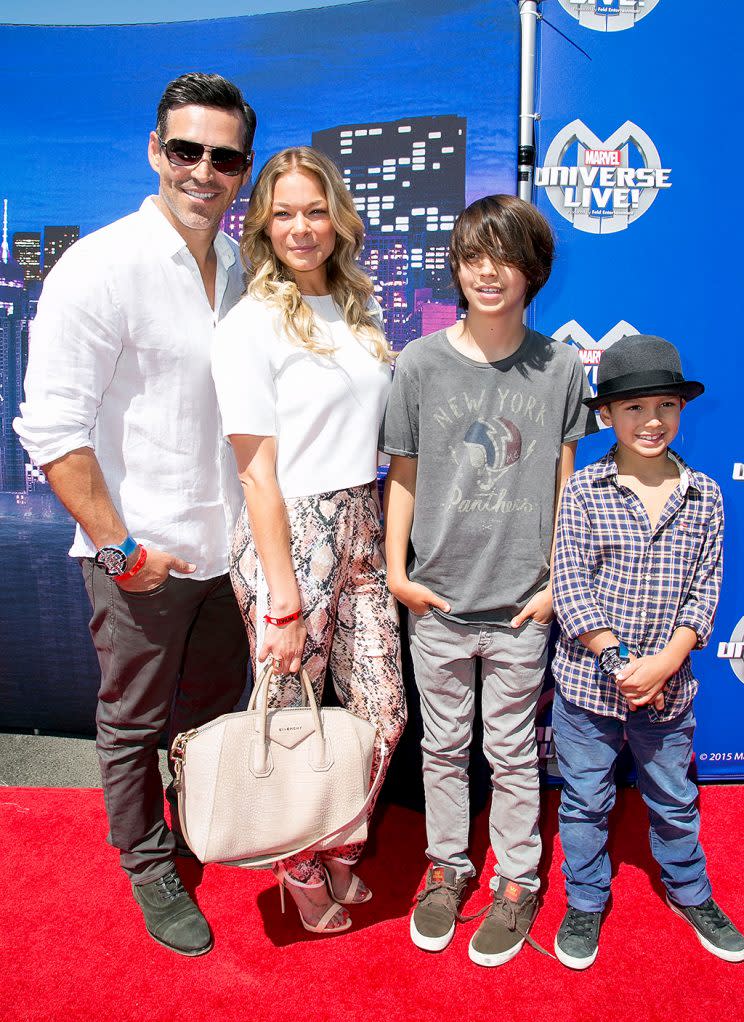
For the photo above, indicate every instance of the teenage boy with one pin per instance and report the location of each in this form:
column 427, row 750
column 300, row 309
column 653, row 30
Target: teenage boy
column 635, row 585
column 482, row 425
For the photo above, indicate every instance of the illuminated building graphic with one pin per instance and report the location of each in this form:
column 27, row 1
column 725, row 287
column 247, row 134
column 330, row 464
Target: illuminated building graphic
column 13, row 360
column 56, row 242
column 429, row 315
column 27, row 253
column 4, row 243
column 232, row 221
column 407, row 179
column 20, row 288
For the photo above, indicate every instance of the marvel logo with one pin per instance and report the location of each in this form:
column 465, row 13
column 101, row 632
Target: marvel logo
column 590, row 356
column 602, row 158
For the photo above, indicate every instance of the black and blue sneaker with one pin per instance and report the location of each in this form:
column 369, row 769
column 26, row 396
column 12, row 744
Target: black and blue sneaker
column 577, row 940
column 714, row 929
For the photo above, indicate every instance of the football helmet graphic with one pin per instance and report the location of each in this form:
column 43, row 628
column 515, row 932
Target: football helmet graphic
column 491, row 448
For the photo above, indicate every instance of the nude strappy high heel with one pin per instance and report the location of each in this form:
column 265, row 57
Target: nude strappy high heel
column 322, row 925
column 349, row 898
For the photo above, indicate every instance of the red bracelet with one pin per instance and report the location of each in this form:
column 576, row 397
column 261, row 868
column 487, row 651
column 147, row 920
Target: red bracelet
column 137, row 566
column 279, row 621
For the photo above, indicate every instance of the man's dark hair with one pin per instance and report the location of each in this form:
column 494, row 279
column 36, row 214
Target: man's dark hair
column 509, row 231
column 198, row 89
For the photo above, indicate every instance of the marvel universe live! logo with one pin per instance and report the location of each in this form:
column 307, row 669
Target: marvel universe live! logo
column 609, row 15
column 591, row 351
column 733, row 650
column 602, row 192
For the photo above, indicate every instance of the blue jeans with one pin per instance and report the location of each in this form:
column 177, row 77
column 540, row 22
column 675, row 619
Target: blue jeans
column 587, row 746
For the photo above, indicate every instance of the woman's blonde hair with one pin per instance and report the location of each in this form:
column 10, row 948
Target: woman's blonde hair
column 270, row 280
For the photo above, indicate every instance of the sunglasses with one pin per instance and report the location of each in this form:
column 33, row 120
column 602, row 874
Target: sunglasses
column 181, row 153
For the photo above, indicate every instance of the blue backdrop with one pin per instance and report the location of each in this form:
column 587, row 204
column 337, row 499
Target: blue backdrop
column 627, row 87
column 78, row 106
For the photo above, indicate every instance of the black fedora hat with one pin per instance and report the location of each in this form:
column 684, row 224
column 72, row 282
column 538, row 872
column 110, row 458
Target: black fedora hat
column 639, row 365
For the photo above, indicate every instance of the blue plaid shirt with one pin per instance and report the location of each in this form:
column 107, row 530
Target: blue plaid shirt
column 612, row 570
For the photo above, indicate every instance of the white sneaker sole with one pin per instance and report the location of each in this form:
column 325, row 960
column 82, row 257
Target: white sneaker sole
column 431, row 943
column 490, row 961
column 726, row 956
column 574, row 963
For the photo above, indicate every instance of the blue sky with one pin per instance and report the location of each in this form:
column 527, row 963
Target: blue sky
column 78, row 103
column 135, row 12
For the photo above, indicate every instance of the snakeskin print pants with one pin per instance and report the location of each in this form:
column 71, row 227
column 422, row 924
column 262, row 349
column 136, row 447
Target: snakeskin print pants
column 350, row 616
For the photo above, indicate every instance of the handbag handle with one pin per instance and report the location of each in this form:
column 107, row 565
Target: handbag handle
column 264, row 678
column 320, row 757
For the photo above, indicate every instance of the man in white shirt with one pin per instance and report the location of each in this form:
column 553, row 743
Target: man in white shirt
column 121, row 413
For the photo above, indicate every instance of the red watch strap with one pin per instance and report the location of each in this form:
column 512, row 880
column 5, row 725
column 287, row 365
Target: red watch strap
column 137, row 566
column 279, row 621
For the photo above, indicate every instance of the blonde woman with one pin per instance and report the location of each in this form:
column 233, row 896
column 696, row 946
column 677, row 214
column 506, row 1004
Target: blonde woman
column 302, row 371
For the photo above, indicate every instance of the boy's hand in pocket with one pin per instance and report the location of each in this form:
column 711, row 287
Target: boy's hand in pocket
column 540, row 608
column 418, row 598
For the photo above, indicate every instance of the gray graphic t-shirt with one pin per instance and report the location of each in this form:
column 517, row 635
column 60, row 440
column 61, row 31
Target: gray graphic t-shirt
column 487, row 436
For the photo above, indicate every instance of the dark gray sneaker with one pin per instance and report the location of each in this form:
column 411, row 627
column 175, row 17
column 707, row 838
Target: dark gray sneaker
column 171, row 917
column 505, row 928
column 577, row 940
column 433, row 919
column 714, row 929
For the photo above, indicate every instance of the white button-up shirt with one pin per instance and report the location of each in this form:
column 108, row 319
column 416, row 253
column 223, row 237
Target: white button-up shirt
column 119, row 361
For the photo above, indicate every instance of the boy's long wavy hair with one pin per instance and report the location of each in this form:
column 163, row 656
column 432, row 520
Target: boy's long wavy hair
column 271, row 281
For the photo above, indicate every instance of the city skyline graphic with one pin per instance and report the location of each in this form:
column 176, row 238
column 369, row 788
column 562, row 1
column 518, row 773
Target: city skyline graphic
column 415, row 136
column 407, row 179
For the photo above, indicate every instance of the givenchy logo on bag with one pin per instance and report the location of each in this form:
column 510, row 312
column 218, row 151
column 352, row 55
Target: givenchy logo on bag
column 290, row 729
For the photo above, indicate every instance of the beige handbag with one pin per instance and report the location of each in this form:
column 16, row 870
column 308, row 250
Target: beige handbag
column 264, row 784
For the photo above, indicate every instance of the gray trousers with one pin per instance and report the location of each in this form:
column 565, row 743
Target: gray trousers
column 178, row 653
column 513, row 665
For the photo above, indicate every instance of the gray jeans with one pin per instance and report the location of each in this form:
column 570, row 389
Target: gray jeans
column 178, row 653
column 513, row 665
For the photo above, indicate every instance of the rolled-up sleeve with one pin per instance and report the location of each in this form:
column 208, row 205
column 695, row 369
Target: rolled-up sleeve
column 575, row 607
column 698, row 608
column 75, row 342
column 399, row 430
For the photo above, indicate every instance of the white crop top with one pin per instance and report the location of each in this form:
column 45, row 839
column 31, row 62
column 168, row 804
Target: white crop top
column 325, row 411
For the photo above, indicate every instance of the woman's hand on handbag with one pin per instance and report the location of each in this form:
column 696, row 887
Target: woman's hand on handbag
column 284, row 644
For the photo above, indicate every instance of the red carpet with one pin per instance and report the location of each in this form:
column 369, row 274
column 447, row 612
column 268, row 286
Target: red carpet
column 74, row 947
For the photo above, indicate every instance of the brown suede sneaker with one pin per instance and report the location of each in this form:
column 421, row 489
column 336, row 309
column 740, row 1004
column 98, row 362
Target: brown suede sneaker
column 433, row 919
column 505, row 928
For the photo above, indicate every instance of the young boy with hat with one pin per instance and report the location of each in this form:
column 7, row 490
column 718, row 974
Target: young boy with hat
column 636, row 581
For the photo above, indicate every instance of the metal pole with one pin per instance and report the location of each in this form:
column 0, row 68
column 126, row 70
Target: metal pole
column 528, row 16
